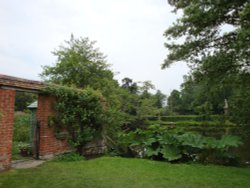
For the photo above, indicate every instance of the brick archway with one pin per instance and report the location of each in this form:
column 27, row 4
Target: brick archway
column 48, row 144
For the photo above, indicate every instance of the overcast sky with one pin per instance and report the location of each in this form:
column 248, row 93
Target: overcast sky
column 129, row 32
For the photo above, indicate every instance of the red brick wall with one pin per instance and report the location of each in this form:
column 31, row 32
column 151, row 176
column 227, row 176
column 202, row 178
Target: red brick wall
column 49, row 145
column 7, row 104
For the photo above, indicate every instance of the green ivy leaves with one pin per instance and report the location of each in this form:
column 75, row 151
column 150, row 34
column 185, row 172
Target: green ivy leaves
column 80, row 112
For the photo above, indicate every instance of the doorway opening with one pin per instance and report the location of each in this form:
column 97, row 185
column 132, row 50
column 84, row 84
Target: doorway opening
column 25, row 140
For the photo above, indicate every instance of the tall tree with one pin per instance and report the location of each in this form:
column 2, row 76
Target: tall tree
column 145, row 88
column 160, row 99
column 201, row 26
column 82, row 65
column 215, row 42
column 174, row 102
column 129, row 85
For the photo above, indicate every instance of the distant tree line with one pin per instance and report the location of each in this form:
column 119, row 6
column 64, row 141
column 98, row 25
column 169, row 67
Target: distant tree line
column 219, row 57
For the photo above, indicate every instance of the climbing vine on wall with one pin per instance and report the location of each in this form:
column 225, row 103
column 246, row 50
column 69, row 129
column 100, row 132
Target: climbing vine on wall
column 80, row 112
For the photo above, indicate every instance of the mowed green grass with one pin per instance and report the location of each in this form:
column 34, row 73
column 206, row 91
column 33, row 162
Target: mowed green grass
column 125, row 173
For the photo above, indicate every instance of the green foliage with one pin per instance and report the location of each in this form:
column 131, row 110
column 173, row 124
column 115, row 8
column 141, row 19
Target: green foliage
column 239, row 104
column 194, row 140
column 199, row 95
column 177, row 118
column 146, row 108
column 228, row 141
column 23, row 99
column 15, row 151
column 192, row 123
column 200, row 25
column 25, row 149
column 170, row 152
column 69, row 157
column 160, row 143
column 219, row 60
column 174, row 101
column 160, row 99
column 128, row 84
column 114, row 120
column 81, row 65
column 136, row 107
column 81, row 112
column 22, row 127
column 148, row 104
column 21, row 135
column 24, row 146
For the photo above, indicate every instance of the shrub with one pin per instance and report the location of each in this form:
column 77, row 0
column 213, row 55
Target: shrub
column 69, row 157
column 25, row 149
column 15, row 151
column 81, row 112
column 22, row 127
column 159, row 143
column 190, row 123
column 177, row 118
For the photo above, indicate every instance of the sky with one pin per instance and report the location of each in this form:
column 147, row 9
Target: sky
column 129, row 32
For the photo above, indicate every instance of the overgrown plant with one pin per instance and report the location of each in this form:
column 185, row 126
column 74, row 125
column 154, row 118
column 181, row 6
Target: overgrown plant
column 156, row 142
column 22, row 127
column 80, row 112
column 69, row 157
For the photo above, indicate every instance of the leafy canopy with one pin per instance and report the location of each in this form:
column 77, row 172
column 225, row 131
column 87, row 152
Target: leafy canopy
column 203, row 27
column 213, row 37
column 80, row 64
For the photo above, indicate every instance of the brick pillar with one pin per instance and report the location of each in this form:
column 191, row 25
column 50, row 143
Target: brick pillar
column 49, row 144
column 7, row 105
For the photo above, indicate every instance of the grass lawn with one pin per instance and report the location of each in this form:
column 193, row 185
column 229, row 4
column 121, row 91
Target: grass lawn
column 124, row 173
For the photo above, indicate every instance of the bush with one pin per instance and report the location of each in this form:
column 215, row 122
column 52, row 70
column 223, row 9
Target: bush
column 188, row 118
column 69, row 157
column 22, row 127
column 15, row 151
column 25, row 149
column 157, row 142
column 189, row 123
column 81, row 112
